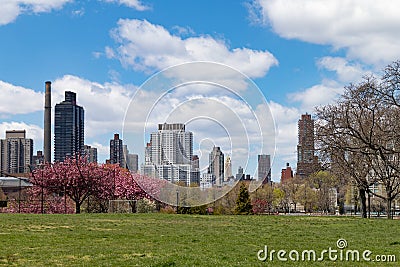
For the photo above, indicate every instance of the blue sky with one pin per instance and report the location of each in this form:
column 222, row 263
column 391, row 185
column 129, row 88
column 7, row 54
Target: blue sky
column 299, row 53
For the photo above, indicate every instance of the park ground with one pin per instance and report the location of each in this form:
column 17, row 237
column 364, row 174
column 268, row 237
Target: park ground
column 188, row 240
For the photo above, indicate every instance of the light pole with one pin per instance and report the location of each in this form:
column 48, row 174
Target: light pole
column 19, row 196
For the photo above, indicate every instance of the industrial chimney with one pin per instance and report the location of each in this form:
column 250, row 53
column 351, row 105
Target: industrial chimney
column 47, row 123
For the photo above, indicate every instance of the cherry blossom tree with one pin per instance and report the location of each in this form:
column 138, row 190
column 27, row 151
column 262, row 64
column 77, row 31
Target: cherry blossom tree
column 77, row 179
column 74, row 177
column 39, row 200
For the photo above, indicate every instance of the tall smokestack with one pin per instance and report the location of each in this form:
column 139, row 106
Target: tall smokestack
column 47, row 123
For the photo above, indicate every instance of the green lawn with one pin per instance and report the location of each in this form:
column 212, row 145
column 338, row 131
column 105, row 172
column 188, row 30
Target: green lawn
column 185, row 240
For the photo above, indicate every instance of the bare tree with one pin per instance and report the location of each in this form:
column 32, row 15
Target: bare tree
column 361, row 131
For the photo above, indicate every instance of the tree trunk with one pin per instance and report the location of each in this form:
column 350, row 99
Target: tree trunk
column 369, row 204
column 133, row 206
column 389, row 208
column 363, row 203
column 77, row 207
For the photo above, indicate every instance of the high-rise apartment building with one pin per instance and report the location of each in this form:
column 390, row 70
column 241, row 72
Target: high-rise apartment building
column 228, row 169
column 117, row 151
column 216, row 165
column 307, row 162
column 207, row 180
column 264, row 168
column 169, row 154
column 240, row 174
column 90, row 153
column 68, row 128
column 147, row 154
column 16, row 152
column 195, row 170
column 171, row 144
column 132, row 162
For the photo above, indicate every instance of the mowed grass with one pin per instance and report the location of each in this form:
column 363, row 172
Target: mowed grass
column 185, row 240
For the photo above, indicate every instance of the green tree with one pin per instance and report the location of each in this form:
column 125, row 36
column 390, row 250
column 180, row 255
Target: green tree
column 324, row 183
column 279, row 199
column 243, row 203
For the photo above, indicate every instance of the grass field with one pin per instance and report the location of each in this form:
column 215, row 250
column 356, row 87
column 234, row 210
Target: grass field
column 185, row 240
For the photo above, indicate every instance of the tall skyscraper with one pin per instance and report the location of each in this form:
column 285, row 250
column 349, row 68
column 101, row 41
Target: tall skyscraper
column 147, row 154
column 132, row 162
column 68, row 128
column 169, row 154
column 195, row 170
column 195, row 162
column 240, row 174
column 16, row 152
column 117, row 151
column 228, row 169
column 216, row 165
column 171, row 144
column 307, row 162
column 264, row 168
column 90, row 152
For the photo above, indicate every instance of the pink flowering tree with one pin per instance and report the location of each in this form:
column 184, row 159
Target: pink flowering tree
column 75, row 180
column 152, row 186
column 126, row 186
column 119, row 184
column 133, row 187
column 74, row 177
column 40, row 200
column 260, row 206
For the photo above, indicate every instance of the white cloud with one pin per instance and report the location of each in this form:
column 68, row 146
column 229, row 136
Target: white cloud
column 33, row 131
column 183, row 30
column 97, row 54
column 79, row 12
column 286, row 119
column 286, row 129
column 346, row 72
column 366, row 29
column 138, row 49
column 11, row 9
column 136, row 4
column 103, row 151
column 11, row 96
column 320, row 94
column 104, row 104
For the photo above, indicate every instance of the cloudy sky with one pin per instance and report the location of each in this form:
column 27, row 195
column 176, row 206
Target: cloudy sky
column 298, row 53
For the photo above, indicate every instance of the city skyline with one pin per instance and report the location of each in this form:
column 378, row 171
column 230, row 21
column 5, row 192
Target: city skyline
column 104, row 50
column 170, row 147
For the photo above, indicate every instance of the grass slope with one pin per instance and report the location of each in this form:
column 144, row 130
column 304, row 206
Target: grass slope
column 184, row 240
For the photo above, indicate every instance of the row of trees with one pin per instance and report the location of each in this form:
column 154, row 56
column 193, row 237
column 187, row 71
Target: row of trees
column 359, row 136
column 63, row 187
column 317, row 193
column 314, row 193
